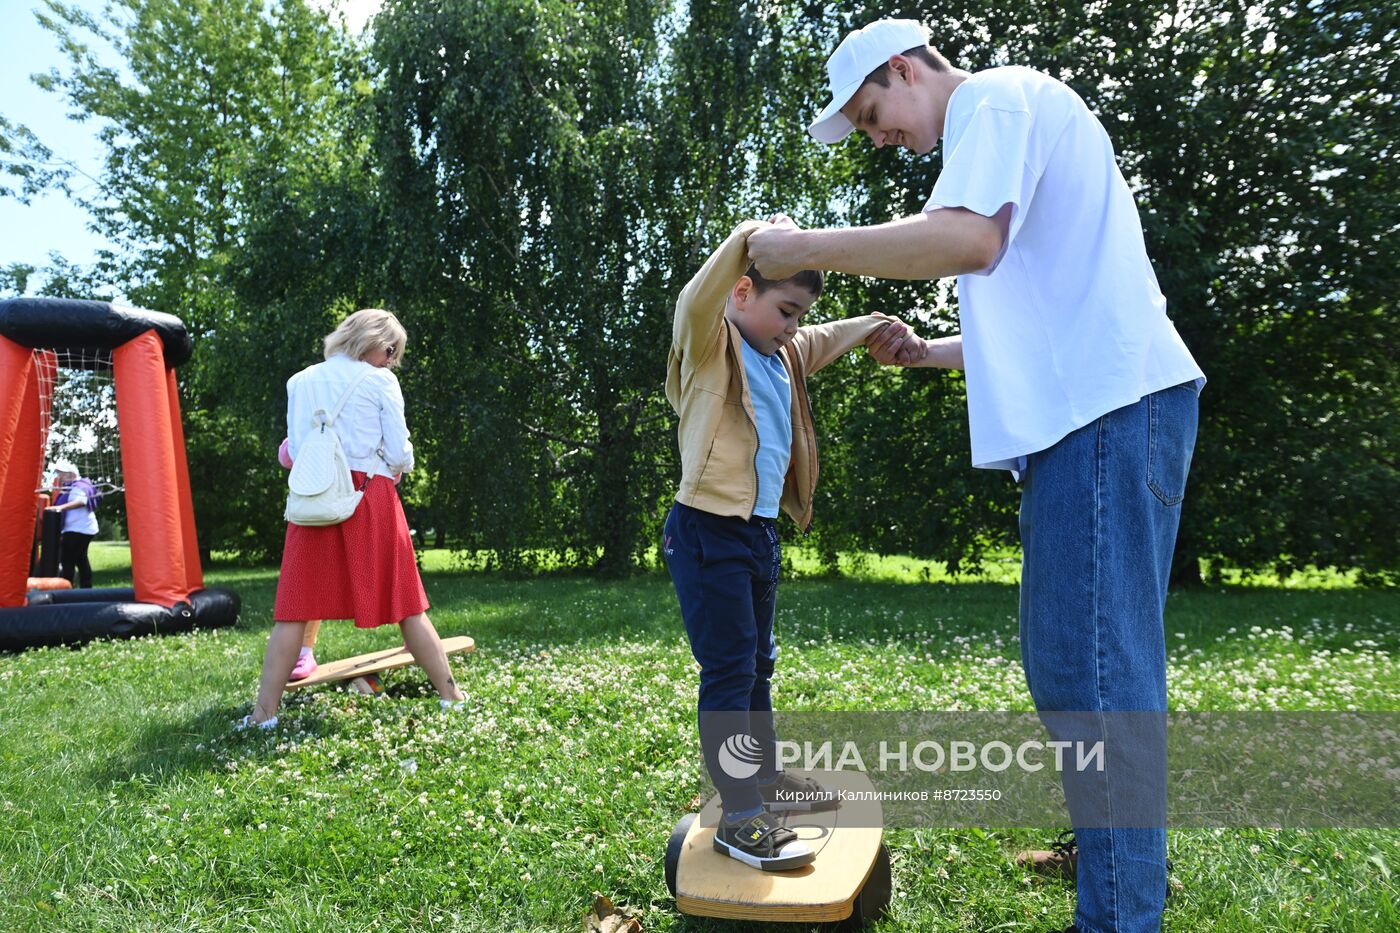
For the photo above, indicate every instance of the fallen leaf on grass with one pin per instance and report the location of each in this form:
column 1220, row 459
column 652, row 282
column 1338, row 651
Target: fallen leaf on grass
column 605, row 917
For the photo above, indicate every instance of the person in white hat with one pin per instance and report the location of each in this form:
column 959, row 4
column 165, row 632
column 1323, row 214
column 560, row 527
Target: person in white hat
column 78, row 503
column 1077, row 382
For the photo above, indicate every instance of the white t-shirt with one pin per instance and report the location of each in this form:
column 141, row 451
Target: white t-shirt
column 1069, row 323
column 81, row 519
column 371, row 427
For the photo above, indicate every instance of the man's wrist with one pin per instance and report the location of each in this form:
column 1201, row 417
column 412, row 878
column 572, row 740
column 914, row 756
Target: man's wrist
column 803, row 249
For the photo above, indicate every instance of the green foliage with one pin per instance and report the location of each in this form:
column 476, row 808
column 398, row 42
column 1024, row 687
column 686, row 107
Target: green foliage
column 517, row 134
column 219, row 110
column 529, row 186
column 1259, row 140
column 28, row 162
column 14, row 279
column 546, row 214
column 1270, row 197
column 898, row 484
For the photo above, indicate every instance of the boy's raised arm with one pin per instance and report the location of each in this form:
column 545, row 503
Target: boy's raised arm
column 700, row 307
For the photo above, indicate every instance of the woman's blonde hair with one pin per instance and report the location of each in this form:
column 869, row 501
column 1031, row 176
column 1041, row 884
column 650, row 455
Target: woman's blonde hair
column 366, row 330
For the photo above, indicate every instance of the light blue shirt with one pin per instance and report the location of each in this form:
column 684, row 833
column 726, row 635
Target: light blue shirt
column 771, row 392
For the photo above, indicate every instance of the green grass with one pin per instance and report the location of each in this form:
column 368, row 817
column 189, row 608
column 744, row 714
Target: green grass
column 127, row 803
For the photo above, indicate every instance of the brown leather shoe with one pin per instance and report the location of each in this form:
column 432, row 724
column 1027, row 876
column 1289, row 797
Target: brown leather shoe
column 1061, row 860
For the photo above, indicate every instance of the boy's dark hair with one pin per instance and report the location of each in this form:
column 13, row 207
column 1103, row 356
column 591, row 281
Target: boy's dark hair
column 923, row 53
column 809, row 279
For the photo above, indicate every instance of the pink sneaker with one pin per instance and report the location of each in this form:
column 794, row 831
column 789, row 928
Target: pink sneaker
column 305, row 667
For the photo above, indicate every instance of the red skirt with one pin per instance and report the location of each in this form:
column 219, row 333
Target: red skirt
column 361, row 569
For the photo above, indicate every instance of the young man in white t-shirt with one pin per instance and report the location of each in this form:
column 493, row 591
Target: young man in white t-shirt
column 1077, row 382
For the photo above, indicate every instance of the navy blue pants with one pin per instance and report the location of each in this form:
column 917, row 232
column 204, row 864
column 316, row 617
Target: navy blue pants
column 725, row 571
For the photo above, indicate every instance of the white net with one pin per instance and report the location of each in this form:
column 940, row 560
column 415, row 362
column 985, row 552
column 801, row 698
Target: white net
column 78, row 415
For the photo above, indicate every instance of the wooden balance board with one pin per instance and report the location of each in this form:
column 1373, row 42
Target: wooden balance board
column 849, row 879
column 364, row 665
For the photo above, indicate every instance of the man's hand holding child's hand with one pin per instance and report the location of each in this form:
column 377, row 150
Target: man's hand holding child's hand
column 896, row 344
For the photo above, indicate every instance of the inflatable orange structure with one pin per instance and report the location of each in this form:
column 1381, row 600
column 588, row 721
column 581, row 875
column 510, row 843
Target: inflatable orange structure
column 51, row 583
column 144, row 347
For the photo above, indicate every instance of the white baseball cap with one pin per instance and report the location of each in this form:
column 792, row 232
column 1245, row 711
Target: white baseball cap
column 860, row 53
column 64, row 466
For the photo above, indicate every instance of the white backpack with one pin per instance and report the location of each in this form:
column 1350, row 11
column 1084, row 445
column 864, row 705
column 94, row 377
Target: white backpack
column 320, row 489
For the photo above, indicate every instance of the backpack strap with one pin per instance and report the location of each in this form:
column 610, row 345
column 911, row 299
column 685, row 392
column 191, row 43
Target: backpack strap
column 348, row 392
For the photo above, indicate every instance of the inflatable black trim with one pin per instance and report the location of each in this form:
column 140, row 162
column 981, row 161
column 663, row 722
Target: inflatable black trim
column 50, row 536
column 64, row 617
column 107, row 594
column 89, row 325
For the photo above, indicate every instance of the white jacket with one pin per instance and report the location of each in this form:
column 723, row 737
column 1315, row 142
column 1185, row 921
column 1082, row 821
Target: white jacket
column 372, row 428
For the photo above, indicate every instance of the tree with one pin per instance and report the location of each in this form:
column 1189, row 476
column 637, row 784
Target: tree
column 214, row 103
column 546, row 213
column 1259, row 141
column 27, row 160
column 530, row 185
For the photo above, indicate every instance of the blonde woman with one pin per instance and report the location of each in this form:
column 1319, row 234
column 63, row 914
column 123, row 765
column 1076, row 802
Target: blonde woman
column 362, row 568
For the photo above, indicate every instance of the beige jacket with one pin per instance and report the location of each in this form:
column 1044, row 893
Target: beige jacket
column 706, row 385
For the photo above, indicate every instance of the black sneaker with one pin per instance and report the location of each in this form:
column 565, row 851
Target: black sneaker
column 790, row 793
column 760, row 842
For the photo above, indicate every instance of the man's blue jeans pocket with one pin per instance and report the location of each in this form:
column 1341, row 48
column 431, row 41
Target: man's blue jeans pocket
column 1171, row 437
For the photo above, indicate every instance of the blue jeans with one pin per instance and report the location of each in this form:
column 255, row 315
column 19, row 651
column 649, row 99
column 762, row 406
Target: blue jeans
column 1099, row 516
column 725, row 571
